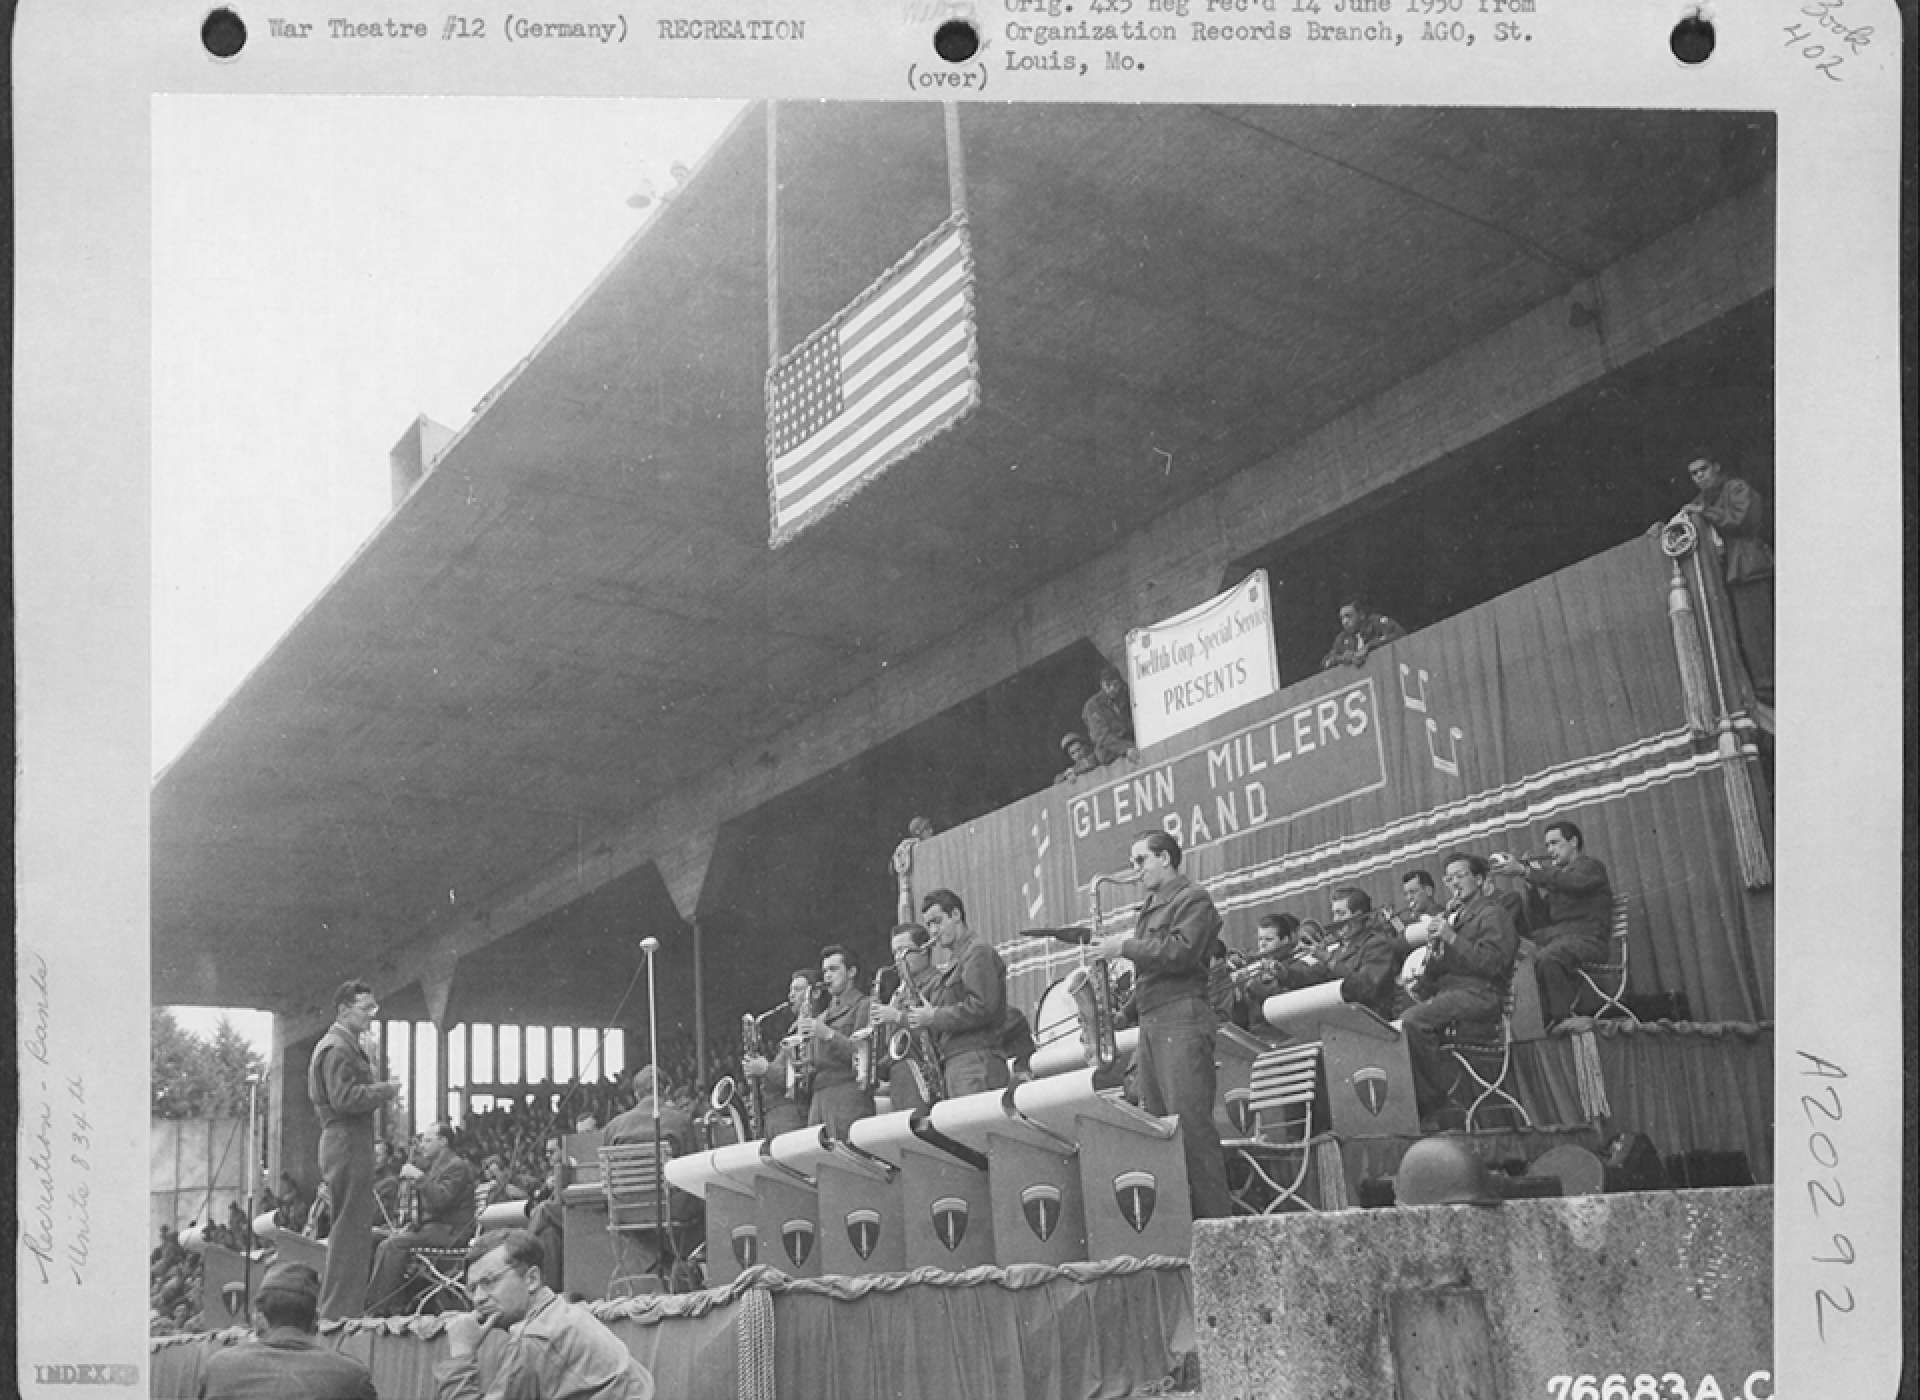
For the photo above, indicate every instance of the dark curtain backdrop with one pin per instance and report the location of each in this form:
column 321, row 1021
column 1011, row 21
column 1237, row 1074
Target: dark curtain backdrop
column 1567, row 700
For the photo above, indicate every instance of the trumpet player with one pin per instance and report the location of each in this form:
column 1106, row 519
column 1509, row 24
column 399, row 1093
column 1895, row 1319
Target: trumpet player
column 1273, row 945
column 838, row 1099
column 966, row 1001
column 1579, row 905
column 784, row 1111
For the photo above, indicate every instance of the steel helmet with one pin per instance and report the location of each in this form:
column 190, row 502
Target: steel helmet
column 1443, row 1171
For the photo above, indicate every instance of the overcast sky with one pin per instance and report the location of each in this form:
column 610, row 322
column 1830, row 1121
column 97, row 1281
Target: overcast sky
column 324, row 270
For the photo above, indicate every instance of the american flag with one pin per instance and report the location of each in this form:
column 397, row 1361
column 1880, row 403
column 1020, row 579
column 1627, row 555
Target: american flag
column 882, row 377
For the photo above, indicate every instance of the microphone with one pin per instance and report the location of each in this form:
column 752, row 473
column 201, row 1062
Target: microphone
column 649, row 946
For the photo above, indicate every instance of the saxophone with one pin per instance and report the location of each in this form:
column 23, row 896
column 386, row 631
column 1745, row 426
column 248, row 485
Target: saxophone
column 917, row 1050
column 866, row 1043
column 800, row 1061
column 728, row 1094
column 1092, row 990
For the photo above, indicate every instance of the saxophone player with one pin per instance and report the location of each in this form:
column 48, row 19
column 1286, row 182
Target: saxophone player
column 966, row 1006
column 912, row 948
column 838, row 1099
column 784, row 1111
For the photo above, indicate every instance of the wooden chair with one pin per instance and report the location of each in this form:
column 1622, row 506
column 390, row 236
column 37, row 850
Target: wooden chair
column 1608, row 980
column 1488, row 1062
column 1281, row 1087
column 636, row 1191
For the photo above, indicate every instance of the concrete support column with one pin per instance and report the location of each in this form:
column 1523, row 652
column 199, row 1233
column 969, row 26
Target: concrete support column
column 683, row 868
column 292, row 1128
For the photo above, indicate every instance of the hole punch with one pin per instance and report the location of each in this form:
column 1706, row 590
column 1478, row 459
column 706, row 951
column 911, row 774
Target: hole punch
column 956, row 41
column 223, row 33
column 1692, row 39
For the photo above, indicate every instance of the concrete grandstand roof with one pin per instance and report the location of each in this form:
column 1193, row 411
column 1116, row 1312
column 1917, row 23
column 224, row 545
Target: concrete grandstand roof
column 577, row 610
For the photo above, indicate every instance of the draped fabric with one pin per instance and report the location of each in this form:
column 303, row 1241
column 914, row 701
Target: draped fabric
column 1072, row 1332
column 1560, row 699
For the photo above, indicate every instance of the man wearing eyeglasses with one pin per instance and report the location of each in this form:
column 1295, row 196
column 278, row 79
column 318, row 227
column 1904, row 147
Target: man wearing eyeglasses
column 555, row 1350
column 1171, row 944
column 345, row 1094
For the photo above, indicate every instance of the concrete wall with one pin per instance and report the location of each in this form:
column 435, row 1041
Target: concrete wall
column 1488, row 1301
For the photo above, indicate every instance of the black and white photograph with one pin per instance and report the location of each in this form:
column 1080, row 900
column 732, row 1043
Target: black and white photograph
column 818, row 745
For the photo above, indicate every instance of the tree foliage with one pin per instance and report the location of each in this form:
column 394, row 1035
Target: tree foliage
column 194, row 1077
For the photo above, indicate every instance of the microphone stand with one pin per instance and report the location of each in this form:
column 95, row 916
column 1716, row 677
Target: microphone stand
column 253, row 1171
column 650, row 946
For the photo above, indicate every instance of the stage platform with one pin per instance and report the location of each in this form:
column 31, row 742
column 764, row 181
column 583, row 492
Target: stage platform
column 1069, row 1332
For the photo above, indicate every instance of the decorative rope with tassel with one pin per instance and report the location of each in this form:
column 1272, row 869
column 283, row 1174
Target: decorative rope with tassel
column 753, row 1339
column 1749, row 842
column 1592, row 1083
column 1694, row 685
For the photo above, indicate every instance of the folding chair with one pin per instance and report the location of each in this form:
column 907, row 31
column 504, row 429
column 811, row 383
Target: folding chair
column 1487, row 1062
column 635, row 1191
column 1612, row 973
column 438, row 1272
column 1281, row 1087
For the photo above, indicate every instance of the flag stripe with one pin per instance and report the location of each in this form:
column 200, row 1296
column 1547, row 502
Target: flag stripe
column 954, row 395
column 930, row 351
column 888, row 372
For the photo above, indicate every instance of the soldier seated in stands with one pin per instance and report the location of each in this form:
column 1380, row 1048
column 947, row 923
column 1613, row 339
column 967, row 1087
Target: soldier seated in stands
column 1108, row 716
column 1361, row 630
column 1464, row 983
column 444, row 1185
column 1080, row 752
column 1572, row 933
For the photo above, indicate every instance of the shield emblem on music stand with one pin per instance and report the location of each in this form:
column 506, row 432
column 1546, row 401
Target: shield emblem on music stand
column 950, row 1220
column 1041, row 1206
column 1137, row 1193
column 746, row 1245
column 234, row 1297
column 1370, row 1087
column 863, row 1231
column 797, row 1236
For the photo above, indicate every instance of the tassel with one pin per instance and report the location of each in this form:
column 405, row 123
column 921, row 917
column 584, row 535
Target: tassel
column 1592, row 1083
column 1748, row 839
column 1333, row 1174
column 753, row 1346
column 1694, row 683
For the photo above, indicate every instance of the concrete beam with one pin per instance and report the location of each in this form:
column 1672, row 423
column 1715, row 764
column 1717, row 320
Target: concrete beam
column 1691, row 277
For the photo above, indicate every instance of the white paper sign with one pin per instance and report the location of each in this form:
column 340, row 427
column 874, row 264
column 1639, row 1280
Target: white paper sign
column 1203, row 662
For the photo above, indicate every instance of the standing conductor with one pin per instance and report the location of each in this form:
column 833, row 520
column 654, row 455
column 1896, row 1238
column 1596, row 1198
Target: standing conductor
column 341, row 1084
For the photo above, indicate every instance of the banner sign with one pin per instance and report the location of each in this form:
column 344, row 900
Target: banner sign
column 1202, row 663
column 1291, row 762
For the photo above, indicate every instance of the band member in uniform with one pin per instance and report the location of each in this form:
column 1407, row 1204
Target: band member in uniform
column 837, row 1100
column 444, row 1186
column 968, row 1014
column 913, row 956
column 1363, row 953
column 785, row 1111
column 1170, row 946
column 1579, row 906
column 1259, row 978
column 345, row 1096
column 1419, row 898
column 1465, row 980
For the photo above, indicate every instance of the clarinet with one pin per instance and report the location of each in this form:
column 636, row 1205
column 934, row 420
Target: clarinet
column 800, row 1063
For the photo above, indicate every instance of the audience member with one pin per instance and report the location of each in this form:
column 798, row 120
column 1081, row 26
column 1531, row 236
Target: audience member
column 1361, row 630
column 1080, row 752
column 1108, row 717
column 284, row 1359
